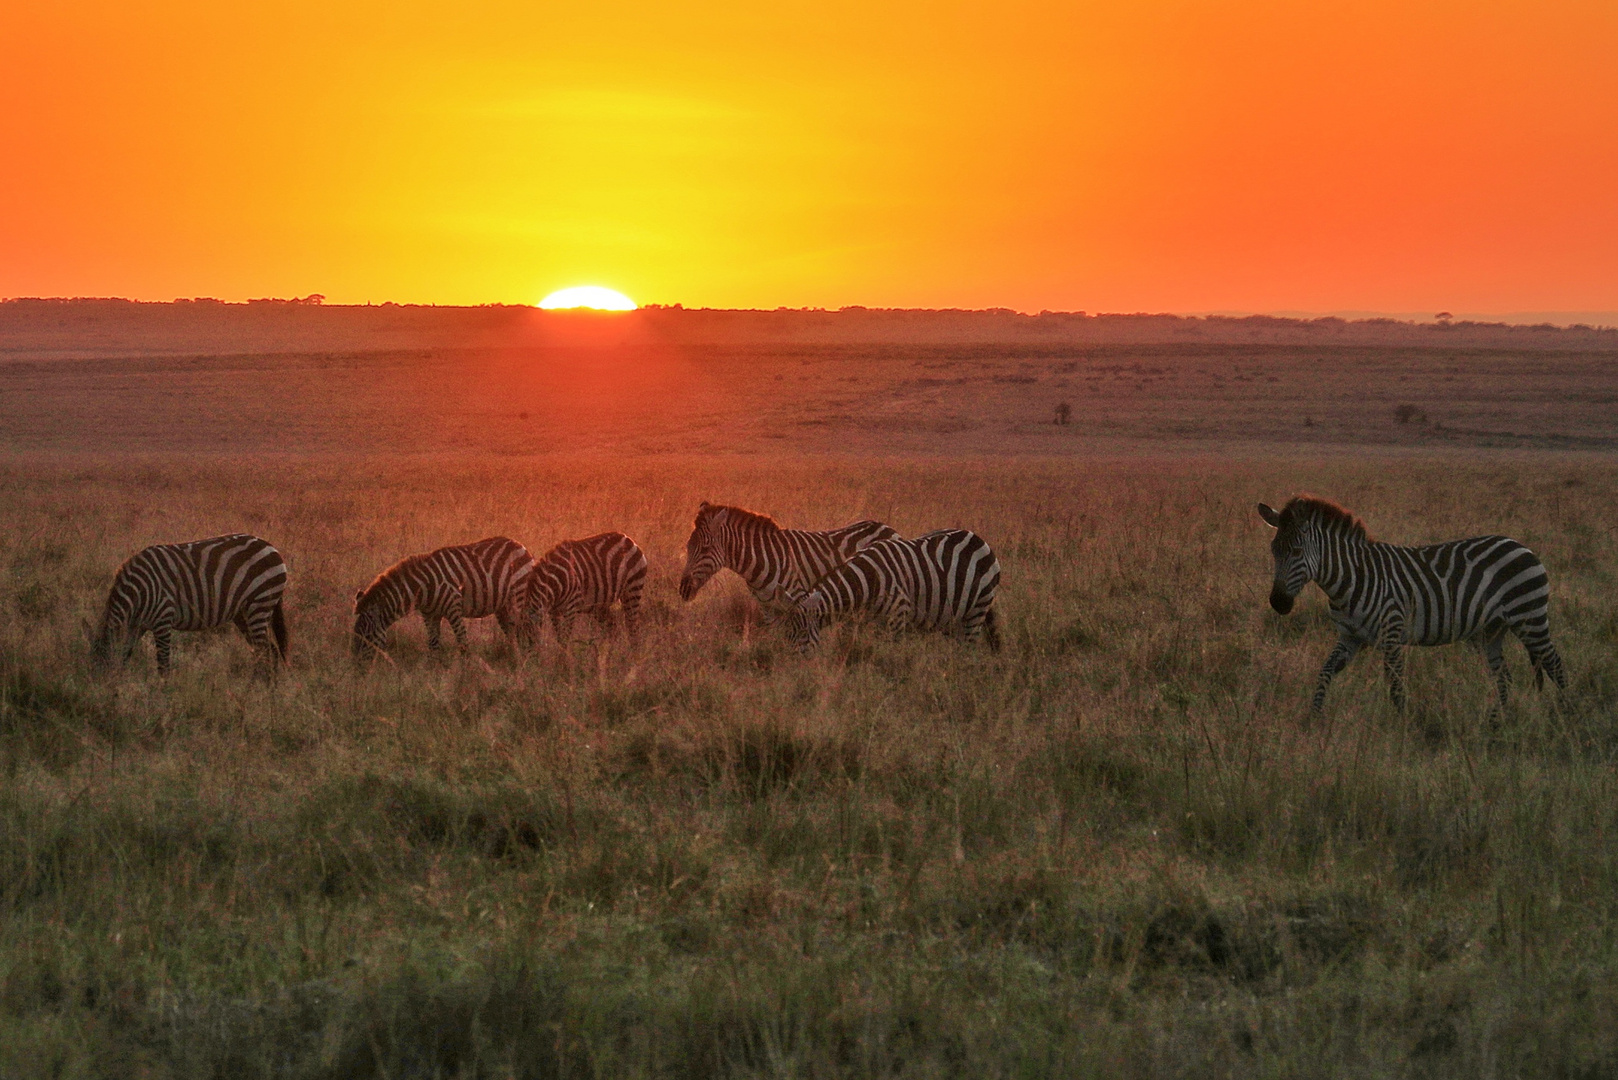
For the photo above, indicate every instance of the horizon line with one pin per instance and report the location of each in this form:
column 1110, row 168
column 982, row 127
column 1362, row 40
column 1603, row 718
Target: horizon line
column 1562, row 318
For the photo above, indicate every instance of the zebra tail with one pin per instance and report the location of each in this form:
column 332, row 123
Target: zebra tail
column 991, row 630
column 278, row 626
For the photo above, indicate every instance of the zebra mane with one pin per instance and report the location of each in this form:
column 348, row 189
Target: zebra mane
column 368, row 595
column 744, row 519
column 1307, row 505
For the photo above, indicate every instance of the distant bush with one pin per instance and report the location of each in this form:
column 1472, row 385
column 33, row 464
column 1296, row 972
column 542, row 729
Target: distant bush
column 1410, row 414
column 1064, row 414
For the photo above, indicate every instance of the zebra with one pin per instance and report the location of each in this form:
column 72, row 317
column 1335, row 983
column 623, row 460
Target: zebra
column 236, row 578
column 588, row 576
column 944, row 580
column 1391, row 596
column 470, row 581
column 779, row 565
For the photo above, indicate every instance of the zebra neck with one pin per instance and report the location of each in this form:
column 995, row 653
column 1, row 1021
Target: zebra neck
column 1342, row 564
column 398, row 601
column 548, row 589
column 759, row 557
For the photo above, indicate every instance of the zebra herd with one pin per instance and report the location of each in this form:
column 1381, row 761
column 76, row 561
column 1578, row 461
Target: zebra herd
column 1381, row 594
column 943, row 581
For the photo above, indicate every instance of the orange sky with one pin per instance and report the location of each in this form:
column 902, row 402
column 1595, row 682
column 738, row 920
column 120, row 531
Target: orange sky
column 1181, row 155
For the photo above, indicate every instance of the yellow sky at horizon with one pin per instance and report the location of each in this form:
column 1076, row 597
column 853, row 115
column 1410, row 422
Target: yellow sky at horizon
column 1172, row 155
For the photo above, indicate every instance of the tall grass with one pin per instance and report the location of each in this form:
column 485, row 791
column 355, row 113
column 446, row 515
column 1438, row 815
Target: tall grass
column 1122, row 847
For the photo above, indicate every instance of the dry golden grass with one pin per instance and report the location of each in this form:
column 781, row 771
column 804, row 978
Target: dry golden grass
column 1119, row 848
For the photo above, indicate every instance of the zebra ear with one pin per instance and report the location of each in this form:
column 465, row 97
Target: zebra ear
column 704, row 506
column 1271, row 516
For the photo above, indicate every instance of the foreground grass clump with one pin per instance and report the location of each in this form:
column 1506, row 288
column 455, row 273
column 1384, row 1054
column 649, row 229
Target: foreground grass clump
column 1121, row 847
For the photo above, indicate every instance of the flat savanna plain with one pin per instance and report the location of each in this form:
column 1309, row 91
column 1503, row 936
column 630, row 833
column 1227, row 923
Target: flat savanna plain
column 1119, row 847
column 874, row 399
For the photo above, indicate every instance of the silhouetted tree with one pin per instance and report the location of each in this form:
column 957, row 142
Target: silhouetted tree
column 1064, row 413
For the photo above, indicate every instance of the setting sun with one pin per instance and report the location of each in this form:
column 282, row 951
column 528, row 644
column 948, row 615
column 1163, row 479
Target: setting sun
column 588, row 296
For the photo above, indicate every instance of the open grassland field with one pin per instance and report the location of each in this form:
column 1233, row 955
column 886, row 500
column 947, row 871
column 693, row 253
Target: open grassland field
column 772, row 399
column 1121, row 847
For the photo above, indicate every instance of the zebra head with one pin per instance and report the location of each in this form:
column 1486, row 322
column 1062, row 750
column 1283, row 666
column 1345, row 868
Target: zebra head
column 803, row 621
column 101, row 644
column 371, row 621
column 704, row 557
column 117, row 618
column 1296, row 550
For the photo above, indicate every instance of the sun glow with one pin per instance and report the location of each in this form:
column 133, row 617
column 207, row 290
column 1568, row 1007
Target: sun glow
column 588, row 296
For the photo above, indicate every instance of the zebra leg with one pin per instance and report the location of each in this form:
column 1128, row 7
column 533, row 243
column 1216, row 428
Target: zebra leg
column 898, row 615
column 511, row 626
column 769, row 609
column 161, row 637
column 254, row 630
column 562, row 626
column 1494, row 654
column 431, row 623
column 1391, row 640
column 632, row 618
column 1393, row 663
column 1536, row 639
column 991, row 630
column 1549, row 662
column 1336, row 661
column 452, row 615
column 257, row 632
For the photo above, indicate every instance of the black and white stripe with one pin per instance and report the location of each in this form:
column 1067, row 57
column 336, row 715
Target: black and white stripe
column 236, row 579
column 945, row 580
column 779, row 565
column 587, row 577
column 1391, row 596
column 470, row 581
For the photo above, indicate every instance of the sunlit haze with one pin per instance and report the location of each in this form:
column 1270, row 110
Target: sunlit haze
column 1187, row 155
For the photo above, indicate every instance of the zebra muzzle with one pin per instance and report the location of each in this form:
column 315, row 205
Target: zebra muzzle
column 1281, row 602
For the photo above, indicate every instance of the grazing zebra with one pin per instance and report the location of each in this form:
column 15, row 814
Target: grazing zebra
column 588, row 576
column 779, row 565
column 941, row 581
column 236, row 579
column 1391, row 596
column 471, row 581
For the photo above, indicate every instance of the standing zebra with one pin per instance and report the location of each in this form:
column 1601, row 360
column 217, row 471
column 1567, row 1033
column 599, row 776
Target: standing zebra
column 1391, row 596
column 941, row 581
column 471, row 581
column 588, row 576
column 236, row 579
column 779, row 565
